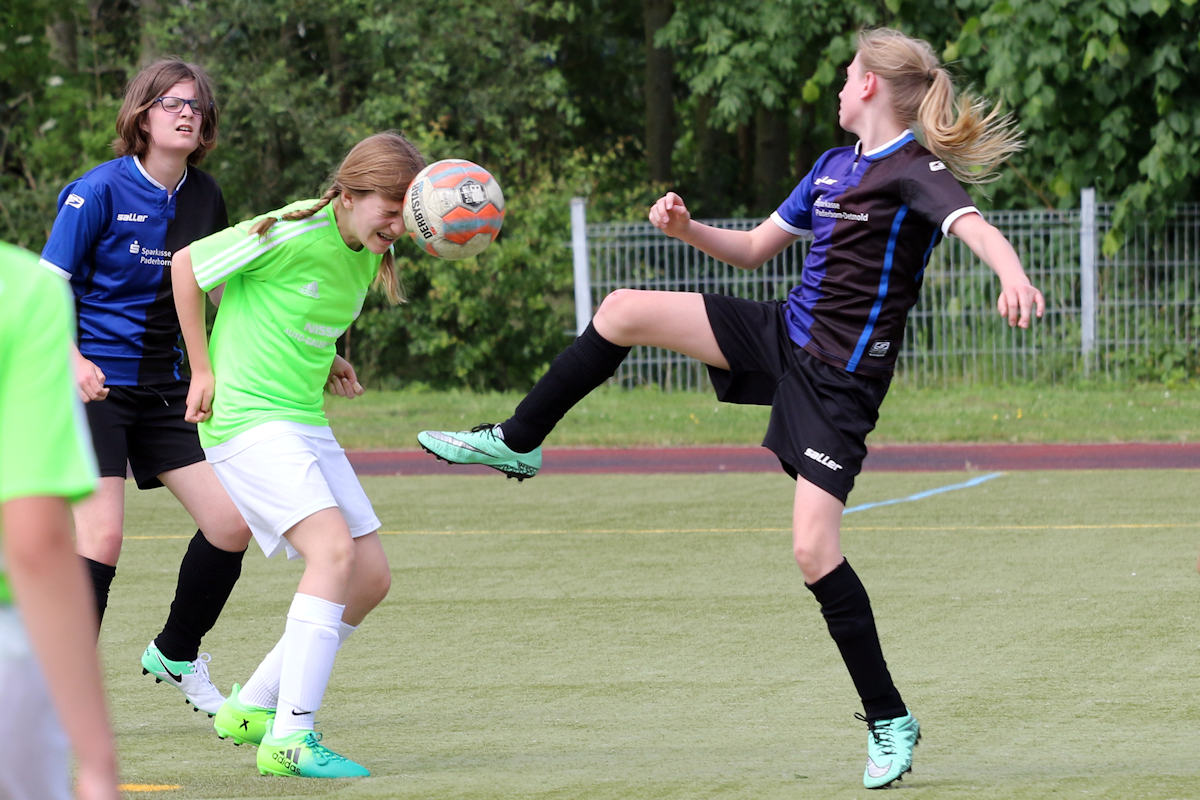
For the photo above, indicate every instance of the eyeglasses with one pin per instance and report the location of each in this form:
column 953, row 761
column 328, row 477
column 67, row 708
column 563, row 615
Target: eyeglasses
column 173, row 105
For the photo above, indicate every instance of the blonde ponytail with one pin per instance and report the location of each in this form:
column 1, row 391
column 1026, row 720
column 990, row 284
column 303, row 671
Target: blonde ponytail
column 972, row 140
column 261, row 227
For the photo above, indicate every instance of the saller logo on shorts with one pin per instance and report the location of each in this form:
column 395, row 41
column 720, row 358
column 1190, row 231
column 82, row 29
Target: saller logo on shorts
column 822, row 459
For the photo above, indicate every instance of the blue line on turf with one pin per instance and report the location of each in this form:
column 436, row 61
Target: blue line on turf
column 929, row 493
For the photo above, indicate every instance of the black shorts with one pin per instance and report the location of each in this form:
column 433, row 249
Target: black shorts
column 143, row 426
column 820, row 414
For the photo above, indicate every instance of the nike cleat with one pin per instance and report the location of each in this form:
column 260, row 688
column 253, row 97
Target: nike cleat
column 189, row 677
column 481, row 445
column 890, row 744
column 301, row 755
column 244, row 723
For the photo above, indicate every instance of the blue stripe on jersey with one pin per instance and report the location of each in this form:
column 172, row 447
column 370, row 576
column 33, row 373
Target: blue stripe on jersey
column 933, row 240
column 842, row 162
column 888, row 258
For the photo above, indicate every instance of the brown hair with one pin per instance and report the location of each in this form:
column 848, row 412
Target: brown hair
column 972, row 140
column 146, row 87
column 384, row 163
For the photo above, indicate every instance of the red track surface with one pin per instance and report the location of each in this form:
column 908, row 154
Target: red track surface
column 882, row 458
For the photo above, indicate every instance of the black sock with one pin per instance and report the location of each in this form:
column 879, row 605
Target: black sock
column 585, row 364
column 102, row 577
column 206, row 577
column 847, row 612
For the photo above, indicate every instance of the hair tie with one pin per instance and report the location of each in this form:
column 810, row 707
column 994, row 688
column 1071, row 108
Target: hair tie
column 931, row 76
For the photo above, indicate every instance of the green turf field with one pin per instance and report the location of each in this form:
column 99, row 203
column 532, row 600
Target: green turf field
column 650, row 637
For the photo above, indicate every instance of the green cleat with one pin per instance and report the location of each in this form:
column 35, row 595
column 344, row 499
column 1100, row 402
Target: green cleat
column 890, row 744
column 189, row 677
column 481, row 445
column 245, row 724
column 301, row 755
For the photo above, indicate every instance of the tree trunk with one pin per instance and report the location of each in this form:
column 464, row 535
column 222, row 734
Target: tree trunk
column 659, row 96
column 772, row 173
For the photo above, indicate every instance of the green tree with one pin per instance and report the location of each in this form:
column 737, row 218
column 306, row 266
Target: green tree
column 1105, row 91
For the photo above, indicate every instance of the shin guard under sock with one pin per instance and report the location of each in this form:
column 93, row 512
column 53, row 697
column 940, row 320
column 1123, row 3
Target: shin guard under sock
column 847, row 612
column 310, row 643
column 585, row 364
column 207, row 575
column 102, row 577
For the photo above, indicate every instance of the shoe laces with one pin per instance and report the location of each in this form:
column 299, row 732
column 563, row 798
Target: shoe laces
column 490, row 428
column 881, row 731
column 320, row 753
column 200, row 667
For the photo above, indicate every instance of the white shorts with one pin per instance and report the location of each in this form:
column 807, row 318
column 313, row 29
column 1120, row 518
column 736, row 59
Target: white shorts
column 35, row 759
column 280, row 473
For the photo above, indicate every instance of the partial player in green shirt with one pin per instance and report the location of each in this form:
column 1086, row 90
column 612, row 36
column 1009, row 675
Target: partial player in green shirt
column 295, row 279
column 47, row 642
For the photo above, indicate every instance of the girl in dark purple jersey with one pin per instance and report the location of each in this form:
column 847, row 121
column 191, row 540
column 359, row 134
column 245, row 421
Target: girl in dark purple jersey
column 822, row 359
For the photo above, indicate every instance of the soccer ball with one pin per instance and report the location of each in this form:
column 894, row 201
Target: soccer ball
column 453, row 208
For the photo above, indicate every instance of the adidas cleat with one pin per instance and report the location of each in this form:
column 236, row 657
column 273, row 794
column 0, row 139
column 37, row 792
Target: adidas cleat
column 244, row 723
column 189, row 677
column 890, row 744
column 301, row 755
column 481, row 445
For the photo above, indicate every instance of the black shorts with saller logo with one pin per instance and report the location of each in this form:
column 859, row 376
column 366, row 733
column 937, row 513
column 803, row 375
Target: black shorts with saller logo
column 820, row 414
column 143, row 426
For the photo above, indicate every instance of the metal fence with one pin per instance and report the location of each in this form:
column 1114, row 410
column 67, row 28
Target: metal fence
column 1132, row 316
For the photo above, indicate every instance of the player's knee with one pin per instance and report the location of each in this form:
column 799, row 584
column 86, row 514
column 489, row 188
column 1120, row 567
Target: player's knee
column 232, row 535
column 814, row 559
column 379, row 584
column 372, row 582
column 100, row 542
column 617, row 318
column 806, row 557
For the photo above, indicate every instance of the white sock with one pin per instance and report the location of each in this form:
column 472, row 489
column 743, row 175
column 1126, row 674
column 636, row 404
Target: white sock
column 262, row 689
column 310, row 643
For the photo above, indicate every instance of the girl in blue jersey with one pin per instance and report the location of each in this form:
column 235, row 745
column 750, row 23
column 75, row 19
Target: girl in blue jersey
column 823, row 358
column 116, row 230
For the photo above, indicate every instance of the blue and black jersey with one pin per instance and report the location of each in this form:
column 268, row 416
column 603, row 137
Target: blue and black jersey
column 874, row 218
column 114, row 236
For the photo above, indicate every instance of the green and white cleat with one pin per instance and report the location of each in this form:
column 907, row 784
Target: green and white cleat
column 189, row 677
column 244, row 723
column 890, row 744
column 301, row 755
column 481, row 445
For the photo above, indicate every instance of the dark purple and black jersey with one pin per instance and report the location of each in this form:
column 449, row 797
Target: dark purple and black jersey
column 874, row 219
column 114, row 236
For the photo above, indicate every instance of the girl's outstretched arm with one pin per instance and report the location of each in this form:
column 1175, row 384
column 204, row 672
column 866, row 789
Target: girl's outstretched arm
column 1019, row 299
column 743, row 249
column 189, row 305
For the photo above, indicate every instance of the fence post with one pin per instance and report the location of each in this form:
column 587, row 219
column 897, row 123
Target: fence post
column 583, row 278
column 1087, row 277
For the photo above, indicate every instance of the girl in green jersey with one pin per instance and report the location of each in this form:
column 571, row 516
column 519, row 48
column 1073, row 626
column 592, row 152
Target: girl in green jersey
column 47, row 653
column 295, row 279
